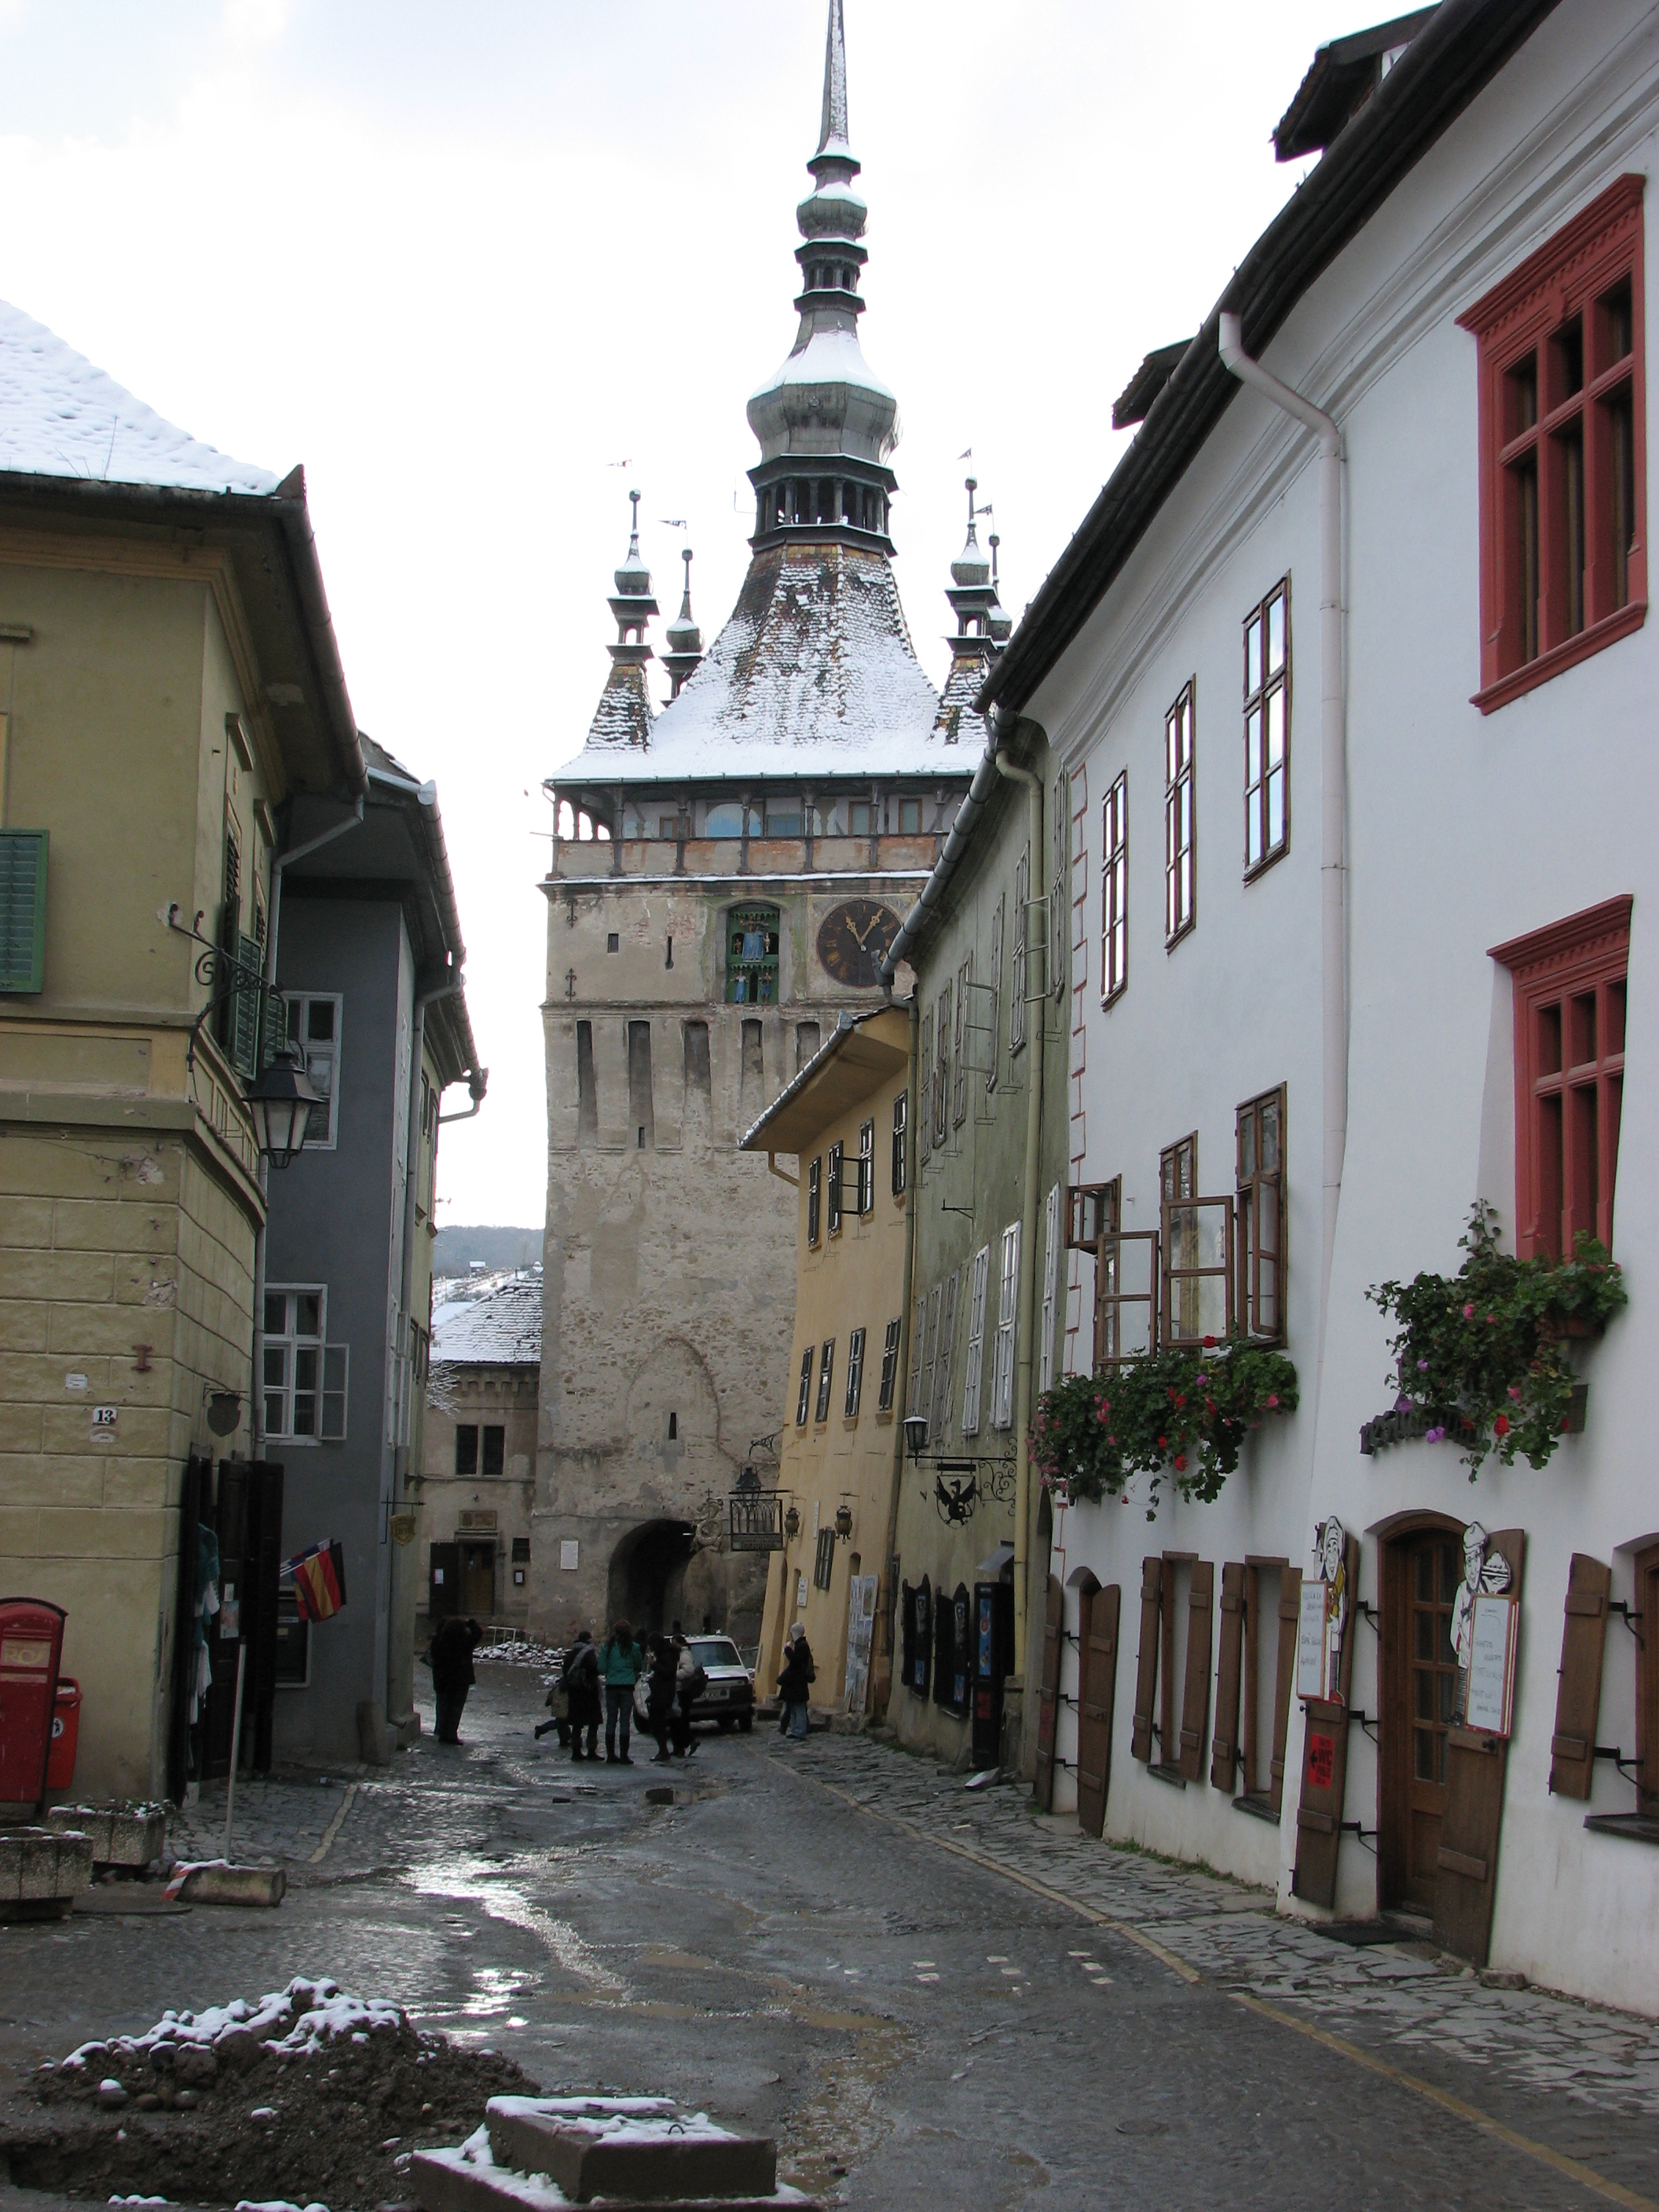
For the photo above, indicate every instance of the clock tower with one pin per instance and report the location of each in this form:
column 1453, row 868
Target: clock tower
column 728, row 870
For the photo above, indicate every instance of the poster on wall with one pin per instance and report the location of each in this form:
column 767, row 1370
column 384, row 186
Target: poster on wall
column 860, row 1625
column 1487, row 1575
column 1323, row 1616
column 1310, row 1641
column 1490, row 1698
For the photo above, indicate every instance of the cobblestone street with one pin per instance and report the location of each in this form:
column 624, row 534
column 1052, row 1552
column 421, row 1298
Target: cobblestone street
column 930, row 1995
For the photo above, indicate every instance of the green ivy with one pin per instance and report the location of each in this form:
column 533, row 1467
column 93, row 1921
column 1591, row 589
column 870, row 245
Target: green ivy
column 1177, row 1416
column 1485, row 1342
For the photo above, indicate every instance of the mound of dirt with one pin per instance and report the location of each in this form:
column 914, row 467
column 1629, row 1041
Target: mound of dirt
column 310, row 2096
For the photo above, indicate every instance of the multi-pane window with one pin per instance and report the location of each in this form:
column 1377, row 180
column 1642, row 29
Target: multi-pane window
column 1180, row 847
column 942, row 1067
column 836, row 1151
column 900, row 1121
column 1569, row 993
column 978, row 1279
column 939, row 1413
column 314, row 1025
column 925, row 1097
column 824, row 1559
column 999, row 916
column 1059, row 834
column 889, row 1360
column 1562, row 476
column 1002, row 1378
column 826, row 1370
column 867, row 1168
column 305, row 1376
column 1259, row 1233
column 466, row 1447
column 814, row 1197
column 930, row 1350
column 803, row 1401
column 1021, row 922
column 751, row 953
column 959, row 1097
column 854, row 1374
column 1267, row 729
column 918, row 1336
column 1115, row 889
column 1050, row 1259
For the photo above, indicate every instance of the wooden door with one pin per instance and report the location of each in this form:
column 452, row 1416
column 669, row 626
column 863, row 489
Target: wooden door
column 1421, row 1677
column 478, row 1580
column 443, row 1595
column 1097, row 1689
column 1043, row 1789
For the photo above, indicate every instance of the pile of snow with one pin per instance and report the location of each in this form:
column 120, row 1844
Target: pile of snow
column 519, row 1651
column 291, row 2023
column 616, row 2119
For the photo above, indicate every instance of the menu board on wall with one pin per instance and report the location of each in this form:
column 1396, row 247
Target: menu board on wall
column 1489, row 1705
column 1312, row 1644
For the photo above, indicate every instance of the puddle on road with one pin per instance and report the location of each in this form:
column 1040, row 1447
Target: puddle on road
column 478, row 1882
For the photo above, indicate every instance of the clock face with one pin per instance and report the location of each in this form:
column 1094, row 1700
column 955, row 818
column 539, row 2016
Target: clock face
column 853, row 939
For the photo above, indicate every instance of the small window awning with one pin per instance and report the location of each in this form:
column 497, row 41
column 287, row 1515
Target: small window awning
column 989, row 1569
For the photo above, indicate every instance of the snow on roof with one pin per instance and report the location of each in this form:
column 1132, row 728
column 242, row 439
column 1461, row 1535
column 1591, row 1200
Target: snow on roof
column 495, row 1322
column 61, row 415
column 813, row 673
column 832, row 356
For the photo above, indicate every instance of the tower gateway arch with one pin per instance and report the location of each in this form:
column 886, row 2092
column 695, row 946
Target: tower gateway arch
column 729, row 866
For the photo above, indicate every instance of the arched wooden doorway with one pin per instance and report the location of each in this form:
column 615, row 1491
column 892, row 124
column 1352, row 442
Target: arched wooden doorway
column 1422, row 1563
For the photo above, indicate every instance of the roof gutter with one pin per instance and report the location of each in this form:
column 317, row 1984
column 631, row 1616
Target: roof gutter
column 294, row 519
column 425, row 796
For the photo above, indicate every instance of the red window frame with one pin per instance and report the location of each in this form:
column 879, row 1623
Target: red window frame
column 1115, row 889
column 1562, row 444
column 1570, row 1019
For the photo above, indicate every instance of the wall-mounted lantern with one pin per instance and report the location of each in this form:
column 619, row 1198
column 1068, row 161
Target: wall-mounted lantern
column 843, row 1520
column 280, row 1099
column 916, row 1434
column 792, row 1523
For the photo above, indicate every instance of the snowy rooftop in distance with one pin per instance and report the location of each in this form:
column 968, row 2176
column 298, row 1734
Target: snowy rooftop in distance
column 60, row 415
column 813, row 674
column 488, row 1320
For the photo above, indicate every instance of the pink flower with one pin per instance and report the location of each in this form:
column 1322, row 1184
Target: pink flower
column 1468, row 1313
column 1434, row 1436
column 1200, row 1380
column 1491, row 1320
column 1402, row 1404
column 1422, row 1366
column 1273, row 1402
column 1514, row 1392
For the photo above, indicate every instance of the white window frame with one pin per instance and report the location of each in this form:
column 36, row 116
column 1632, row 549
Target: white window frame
column 1050, row 1254
column 974, row 1384
column 930, row 1351
column 854, row 1374
column 330, row 1394
column 866, row 1190
column 947, row 1339
column 918, row 1339
column 889, row 1359
column 1002, row 1383
column 322, row 1061
column 1022, row 949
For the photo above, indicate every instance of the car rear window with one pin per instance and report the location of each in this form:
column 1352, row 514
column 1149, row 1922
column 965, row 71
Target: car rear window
column 714, row 1651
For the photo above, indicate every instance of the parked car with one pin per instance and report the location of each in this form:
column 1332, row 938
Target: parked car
column 728, row 1697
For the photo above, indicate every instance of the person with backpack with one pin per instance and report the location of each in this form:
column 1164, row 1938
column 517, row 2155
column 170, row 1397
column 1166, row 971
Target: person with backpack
column 663, row 1659
column 690, row 1681
column 795, row 1683
column 581, row 1682
column 621, row 1663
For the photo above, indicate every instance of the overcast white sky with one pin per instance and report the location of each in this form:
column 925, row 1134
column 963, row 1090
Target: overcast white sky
column 460, row 260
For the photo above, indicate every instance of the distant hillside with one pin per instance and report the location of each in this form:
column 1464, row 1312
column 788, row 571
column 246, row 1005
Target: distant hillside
column 455, row 1248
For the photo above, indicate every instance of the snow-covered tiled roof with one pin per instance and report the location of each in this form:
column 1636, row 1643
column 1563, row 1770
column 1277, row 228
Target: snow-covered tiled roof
column 957, row 717
column 495, row 1322
column 60, row 415
column 813, row 674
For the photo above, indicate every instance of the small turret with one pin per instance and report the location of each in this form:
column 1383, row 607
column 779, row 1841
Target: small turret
column 624, row 712
column 684, row 652
column 981, row 630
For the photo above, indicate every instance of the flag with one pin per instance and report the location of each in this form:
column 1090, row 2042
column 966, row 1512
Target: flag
column 318, row 1578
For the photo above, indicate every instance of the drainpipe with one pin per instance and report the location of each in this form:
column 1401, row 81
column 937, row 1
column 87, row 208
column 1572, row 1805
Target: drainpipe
column 911, row 1198
column 1332, row 780
column 1027, row 1213
column 278, row 863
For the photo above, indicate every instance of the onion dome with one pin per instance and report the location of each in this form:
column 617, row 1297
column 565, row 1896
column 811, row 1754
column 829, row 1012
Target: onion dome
column 623, row 716
column 684, row 652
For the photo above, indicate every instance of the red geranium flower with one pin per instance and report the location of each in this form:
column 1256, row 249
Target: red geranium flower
column 1501, row 1426
column 1209, row 1343
column 1180, row 1462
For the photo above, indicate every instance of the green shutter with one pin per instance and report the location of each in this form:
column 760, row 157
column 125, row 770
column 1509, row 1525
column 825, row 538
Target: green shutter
column 22, row 909
column 245, row 1019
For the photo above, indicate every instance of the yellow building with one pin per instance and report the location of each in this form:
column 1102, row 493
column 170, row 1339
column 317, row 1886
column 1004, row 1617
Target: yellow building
column 168, row 682
column 846, row 1118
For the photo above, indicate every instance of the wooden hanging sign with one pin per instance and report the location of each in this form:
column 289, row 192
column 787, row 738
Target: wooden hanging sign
column 1490, row 1697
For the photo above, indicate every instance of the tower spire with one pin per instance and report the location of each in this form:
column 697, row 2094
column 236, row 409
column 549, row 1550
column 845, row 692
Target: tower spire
column 833, row 129
column 684, row 652
column 983, row 628
column 623, row 716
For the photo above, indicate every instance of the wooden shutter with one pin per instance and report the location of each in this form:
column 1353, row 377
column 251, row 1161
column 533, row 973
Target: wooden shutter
column 1224, row 1756
column 1578, row 1691
column 1151, row 1600
column 1290, row 1614
column 1325, row 1766
column 1042, row 1789
column 22, row 909
column 1466, row 1881
column 1097, row 1691
column 1195, row 1692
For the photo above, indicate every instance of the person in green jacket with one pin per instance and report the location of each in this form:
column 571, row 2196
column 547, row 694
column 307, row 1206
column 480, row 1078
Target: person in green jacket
column 621, row 1662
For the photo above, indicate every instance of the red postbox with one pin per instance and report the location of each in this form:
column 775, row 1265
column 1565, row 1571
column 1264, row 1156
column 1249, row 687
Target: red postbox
column 31, row 1645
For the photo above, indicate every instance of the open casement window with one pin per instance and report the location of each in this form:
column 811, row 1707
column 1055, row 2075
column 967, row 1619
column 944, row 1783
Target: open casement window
column 1196, row 1236
column 834, row 1208
column 854, row 1374
column 803, row 1401
column 1060, row 826
column 1016, row 981
column 1050, row 1264
column 939, row 1410
column 1562, row 378
column 890, row 1360
column 1115, row 889
column 918, row 1343
column 814, row 1198
column 1578, row 1682
column 866, row 1186
column 942, row 1068
column 1267, row 730
column 994, row 1013
column 315, row 1023
column 1180, row 836
column 929, row 1351
column 979, row 1277
column 901, row 1164
column 959, row 1092
column 1568, row 1076
column 826, row 1370
column 1002, row 1376
column 925, row 1088
column 1260, row 1228
column 1128, row 1282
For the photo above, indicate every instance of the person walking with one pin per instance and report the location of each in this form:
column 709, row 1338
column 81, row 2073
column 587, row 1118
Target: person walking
column 664, row 1664
column 452, row 1672
column 581, row 1684
column 621, row 1662
column 690, row 1681
column 795, row 1683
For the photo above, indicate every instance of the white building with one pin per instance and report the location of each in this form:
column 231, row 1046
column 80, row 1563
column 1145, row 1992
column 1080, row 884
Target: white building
column 1460, row 284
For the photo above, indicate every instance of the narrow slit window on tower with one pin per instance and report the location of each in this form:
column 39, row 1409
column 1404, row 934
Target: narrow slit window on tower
column 587, row 1097
column 613, row 941
column 751, row 1082
column 673, row 1428
column 696, row 1058
column 806, row 1043
column 641, row 1112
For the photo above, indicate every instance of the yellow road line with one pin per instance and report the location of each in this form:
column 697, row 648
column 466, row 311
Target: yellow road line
column 333, row 1828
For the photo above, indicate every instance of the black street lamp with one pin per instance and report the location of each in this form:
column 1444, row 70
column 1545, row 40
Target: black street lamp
column 916, row 1434
column 280, row 1099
